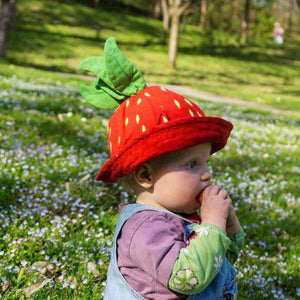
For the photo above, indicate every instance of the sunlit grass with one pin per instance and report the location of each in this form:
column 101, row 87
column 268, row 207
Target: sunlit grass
column 57, row 37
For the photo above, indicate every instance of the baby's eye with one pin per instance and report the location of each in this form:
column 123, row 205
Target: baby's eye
column 192, row 164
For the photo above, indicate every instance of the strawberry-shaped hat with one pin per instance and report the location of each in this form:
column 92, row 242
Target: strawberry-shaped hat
column 149, row 121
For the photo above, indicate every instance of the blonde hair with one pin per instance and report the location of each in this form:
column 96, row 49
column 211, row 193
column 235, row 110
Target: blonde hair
column 129, row 183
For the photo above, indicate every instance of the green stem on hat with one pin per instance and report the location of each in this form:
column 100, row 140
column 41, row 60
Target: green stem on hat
column 117, row 77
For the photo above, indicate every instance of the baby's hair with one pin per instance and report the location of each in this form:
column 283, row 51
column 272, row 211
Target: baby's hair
column 130, row 184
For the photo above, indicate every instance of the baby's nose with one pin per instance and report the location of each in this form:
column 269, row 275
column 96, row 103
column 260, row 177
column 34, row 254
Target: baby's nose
column 205, row 176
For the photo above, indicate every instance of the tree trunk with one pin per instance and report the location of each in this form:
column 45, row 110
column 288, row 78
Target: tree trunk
column 219, row 12
column 13, row 13
column 173, row 42
column 292, row 8
column 157, row 9
column 7, row 17
column 96, row 4
column 203, row 10
column 245, row 23
column 176, row 9
column 166, row 17
column 235, row 17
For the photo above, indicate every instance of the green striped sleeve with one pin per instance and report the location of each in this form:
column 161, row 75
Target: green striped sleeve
column 199, row 263
column 237, row 243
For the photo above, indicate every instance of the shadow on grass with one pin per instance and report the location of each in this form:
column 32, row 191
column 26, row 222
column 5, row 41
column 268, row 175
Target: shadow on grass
column 291, row 92
column 41, row 129
column 37, row 41
column 253, row 54
column 74, row 21
column 264, row 50
column 81, row 17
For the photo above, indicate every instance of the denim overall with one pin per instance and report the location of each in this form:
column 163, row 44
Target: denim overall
column 222, row 286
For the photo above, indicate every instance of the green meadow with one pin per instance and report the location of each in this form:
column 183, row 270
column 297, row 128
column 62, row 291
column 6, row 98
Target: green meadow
column 55, row 36
column 57, row 222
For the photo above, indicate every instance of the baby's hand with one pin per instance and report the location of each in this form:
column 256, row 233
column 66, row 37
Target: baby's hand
column 233, row 224
column 215, row 206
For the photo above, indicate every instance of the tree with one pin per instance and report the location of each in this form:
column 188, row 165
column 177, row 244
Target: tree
column 245, row 22
column 96, row 4
column 203, row 9
column 157, row 9
column 291, row 12
column 7, row 17
column 166, row 17
column 176, row 9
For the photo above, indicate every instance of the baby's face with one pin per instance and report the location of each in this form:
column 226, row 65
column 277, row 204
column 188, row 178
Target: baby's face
column 179, row 177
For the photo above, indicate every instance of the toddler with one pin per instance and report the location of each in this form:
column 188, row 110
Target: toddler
column 159, row 144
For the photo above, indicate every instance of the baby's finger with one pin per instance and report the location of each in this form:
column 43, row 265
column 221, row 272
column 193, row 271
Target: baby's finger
column 223, row 193
column 229, row 204
column 229, row 201
column 214, row 189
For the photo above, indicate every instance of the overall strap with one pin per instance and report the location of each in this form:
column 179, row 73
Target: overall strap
column 130, row 209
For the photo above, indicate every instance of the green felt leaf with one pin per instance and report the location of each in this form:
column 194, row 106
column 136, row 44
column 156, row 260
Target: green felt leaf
column 123, row 74
column 117, row 77
column 95, row 64
column 98, row 98
column 100, row 84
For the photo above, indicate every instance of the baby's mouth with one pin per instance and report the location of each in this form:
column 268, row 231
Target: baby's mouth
column 197, row 197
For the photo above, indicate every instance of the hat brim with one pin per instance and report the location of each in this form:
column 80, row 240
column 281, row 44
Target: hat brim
column 164, row 138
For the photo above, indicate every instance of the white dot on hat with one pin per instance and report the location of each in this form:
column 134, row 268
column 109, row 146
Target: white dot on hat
column 147, row 94
column 126, row 122
column 199, row 114
column 127, row 103
column 119, row 141
column 110, row 147
column 143, row 128
column 191, row 113
column 189, row 102
column 137, row 119
column 177, row 103
column 139, row 101
column 165, row 119
column 163, row 89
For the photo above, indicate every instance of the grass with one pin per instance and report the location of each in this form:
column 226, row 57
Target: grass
column 57, row 37
column 57, row 223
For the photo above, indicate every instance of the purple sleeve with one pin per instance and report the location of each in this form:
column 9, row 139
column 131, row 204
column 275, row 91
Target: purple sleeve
column 155, row 245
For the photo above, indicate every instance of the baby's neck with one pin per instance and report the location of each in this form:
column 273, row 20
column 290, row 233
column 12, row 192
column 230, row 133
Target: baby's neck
column 147, row 200
column 143, row 199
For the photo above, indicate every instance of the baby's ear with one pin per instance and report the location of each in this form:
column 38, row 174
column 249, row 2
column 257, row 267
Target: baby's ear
column 144, row 176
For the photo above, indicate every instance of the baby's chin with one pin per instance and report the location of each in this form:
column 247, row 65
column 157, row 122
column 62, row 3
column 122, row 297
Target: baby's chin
column 189, row 211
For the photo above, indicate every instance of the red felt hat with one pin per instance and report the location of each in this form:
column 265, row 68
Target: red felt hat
column 153, row 122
